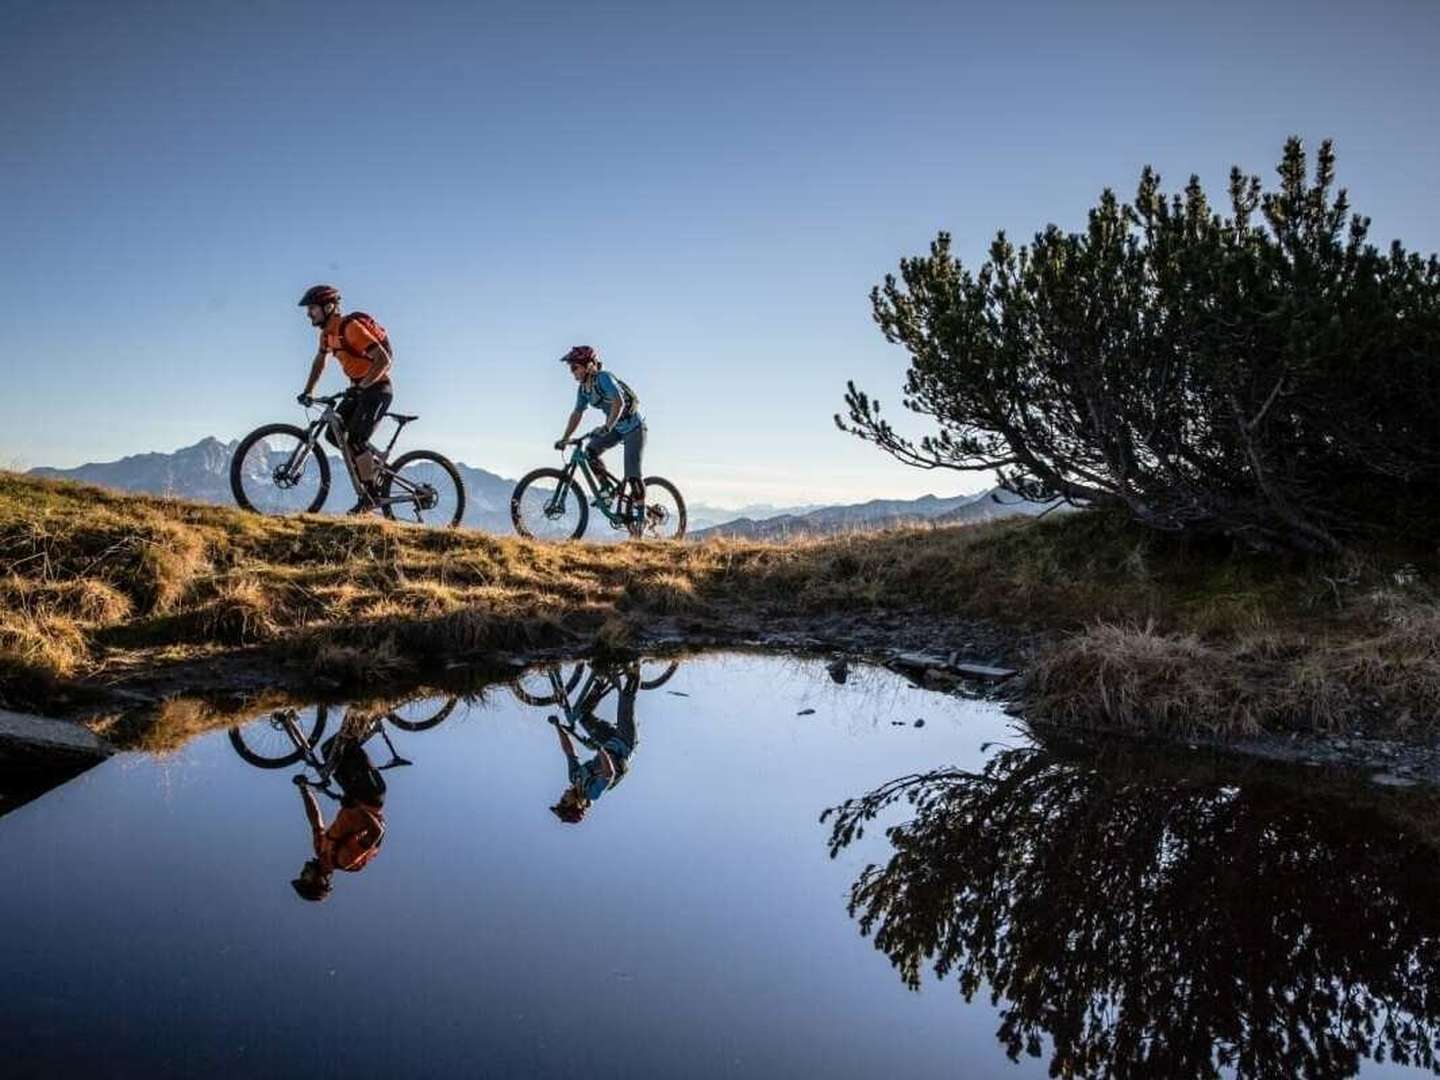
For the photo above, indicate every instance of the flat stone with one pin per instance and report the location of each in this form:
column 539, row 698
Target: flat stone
column 918, row 661
column 983, row 671
column 23, row 736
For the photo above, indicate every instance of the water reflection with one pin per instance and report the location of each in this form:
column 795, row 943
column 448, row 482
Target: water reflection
column 343, row 773
column 353, row 839
column 340, row 768
column 1164, row 927
column 612, row 745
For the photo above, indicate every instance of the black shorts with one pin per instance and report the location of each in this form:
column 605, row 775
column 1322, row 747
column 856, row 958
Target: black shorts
column 362, row 411
column 360, row 781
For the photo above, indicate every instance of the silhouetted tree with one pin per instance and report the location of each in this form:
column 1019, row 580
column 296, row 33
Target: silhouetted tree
column 1267, row 375
column 1158, row 927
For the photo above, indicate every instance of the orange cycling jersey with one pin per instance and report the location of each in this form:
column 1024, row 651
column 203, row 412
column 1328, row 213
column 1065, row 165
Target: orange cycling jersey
column 352, row 839
column 349, row 338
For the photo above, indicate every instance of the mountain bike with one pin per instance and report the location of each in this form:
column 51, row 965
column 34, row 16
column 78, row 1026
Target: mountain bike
column 328, row 759
column 549, row 504
column 283, row 737
column 548, row 684
column 283, row 469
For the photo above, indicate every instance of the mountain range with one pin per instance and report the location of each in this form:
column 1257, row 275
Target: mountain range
column 878, row 514
column 202, row 473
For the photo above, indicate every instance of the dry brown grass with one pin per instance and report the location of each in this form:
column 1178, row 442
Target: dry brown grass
column 1144, row 631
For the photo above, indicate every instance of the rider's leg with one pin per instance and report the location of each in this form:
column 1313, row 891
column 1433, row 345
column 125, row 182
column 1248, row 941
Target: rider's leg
column 370, row 406
column 359, row 780
column 362, row 415
column 593, row 449
column 634, row 452
column 625, row 710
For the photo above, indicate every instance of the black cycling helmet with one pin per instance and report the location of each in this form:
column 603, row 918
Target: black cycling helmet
column 320, row 295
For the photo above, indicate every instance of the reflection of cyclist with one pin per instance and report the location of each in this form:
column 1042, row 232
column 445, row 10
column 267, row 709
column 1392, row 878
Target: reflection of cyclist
column 363, row 349
column 623, row 423
column 354, row 837
column 613, row 745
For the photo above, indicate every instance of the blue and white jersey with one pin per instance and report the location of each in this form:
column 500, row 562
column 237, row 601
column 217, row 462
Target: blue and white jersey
column 601, row 393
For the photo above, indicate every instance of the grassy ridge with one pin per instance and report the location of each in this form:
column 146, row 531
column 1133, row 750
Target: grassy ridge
column 1140, row 630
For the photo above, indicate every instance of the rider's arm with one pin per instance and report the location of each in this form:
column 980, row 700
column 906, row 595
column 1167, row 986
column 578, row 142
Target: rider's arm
column 573, row 423
column 379, row 365
column 317, row 367
column 312, row 813
column 615, row 411
column 566, row 744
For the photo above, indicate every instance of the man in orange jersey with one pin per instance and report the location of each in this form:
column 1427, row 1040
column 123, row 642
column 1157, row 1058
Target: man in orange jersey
column 354, row 837
column 363, row 349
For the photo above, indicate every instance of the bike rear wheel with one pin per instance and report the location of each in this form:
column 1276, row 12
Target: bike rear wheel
column 664, row 510
column 429, row 485
column 275, row 471
column 420, row 715
column 265, row 743
column 549, row 505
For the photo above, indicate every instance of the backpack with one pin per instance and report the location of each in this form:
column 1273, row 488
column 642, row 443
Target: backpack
column 368, row 323
column 632, row 399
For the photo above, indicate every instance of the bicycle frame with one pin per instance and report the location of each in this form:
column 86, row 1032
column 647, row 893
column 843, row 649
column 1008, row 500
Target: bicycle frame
column 580, row 461
column 325, row 768
column 330, row 421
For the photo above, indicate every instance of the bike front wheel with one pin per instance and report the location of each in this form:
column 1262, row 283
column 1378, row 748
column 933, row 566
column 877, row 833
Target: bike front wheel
column 266, row 744
column 424, row 488
column 664, row 510
column 655, row 673
column 549, row 505
column 275, row 470
column 534, row 686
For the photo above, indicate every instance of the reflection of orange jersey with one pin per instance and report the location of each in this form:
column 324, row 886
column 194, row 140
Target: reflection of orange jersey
column 348, row 338
column 352, row 839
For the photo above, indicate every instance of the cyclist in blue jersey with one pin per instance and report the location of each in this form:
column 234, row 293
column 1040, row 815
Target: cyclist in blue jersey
column 612, row 744
column 623, row 424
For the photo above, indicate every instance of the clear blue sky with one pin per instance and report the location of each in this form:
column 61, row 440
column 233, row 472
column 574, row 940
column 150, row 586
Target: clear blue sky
column 707, row 194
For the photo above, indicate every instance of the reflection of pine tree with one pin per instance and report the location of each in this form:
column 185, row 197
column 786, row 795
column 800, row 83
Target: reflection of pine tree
column 1158, row 928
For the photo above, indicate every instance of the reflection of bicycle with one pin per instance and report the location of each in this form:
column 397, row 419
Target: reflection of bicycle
column 284, row 737
column 548, row 684
column 282, row 469
column 325, row 766
column 548, row 504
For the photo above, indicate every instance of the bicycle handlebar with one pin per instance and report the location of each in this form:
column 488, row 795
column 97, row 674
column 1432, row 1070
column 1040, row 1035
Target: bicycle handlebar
column 584, row 438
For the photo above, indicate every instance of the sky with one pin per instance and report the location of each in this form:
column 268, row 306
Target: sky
column 706, row 193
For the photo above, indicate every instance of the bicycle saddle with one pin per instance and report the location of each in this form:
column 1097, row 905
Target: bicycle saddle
column 401, row 419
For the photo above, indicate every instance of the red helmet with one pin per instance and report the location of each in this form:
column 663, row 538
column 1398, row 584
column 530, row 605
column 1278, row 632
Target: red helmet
column 320, row 295
column 581, row 354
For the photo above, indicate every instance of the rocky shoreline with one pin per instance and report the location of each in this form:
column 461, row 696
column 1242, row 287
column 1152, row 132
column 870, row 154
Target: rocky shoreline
column 942, row 654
